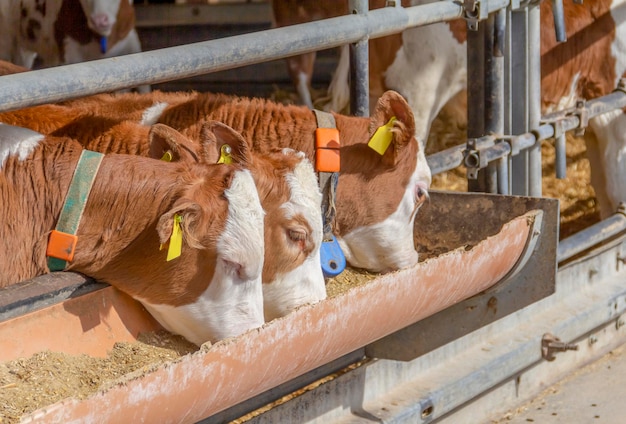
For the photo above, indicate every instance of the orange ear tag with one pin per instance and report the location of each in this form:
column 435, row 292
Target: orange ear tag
column 381, row 139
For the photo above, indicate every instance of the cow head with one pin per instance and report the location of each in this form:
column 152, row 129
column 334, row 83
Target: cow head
column 380, row 238
column 290, row 196
column 213, row 288
column 101, row 14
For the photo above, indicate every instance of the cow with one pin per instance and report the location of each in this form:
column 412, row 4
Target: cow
column 377, row 195
column 284, row 179
column 587, row 66
column 57, row 32
column 300, row 67
column 204, row 285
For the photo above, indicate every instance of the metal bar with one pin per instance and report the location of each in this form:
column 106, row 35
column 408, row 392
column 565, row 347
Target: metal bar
column 534, row 97
column 452, row 157
column 105, row 75
column 560, row 158
column 519, row 97
column 476, row 94
column 359, row 66
column 496, row 103
column 559, row 20
column 592, row 236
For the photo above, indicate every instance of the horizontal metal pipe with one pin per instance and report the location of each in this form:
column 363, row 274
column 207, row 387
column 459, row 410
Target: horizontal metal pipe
column 77, row 80
column 451, row 158
column 592, row 236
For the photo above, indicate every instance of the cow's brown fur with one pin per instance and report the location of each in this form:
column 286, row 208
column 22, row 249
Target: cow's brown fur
column 268, row 125
column 115, row 243
column 590, row 31
column 96, row 123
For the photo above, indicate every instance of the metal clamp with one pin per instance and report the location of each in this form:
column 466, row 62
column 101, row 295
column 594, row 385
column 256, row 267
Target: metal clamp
column 550, row 345
column 583, row 117
column 473, row 160
column 473, row 13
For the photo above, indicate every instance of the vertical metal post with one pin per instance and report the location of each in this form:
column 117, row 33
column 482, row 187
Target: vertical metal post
column 359, row 67
column 534, row 96
column 476, row 93
column 494, row 120
column 518, row 96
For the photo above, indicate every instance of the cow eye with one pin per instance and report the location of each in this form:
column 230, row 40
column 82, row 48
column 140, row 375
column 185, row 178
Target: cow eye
column 297, row 235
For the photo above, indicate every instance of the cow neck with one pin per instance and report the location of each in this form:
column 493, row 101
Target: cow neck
column 62, row 241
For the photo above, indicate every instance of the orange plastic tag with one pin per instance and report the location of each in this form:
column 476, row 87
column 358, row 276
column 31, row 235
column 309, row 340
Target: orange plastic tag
column 327, row 158
column 61, row 245
column 327, row 138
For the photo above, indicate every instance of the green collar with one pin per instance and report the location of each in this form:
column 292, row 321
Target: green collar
column 62, row 241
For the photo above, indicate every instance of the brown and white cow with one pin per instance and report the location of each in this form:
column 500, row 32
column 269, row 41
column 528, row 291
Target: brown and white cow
column 211, row 291
column 59, row 32
column 588, row 65
column 284, row 179
column 377, row 196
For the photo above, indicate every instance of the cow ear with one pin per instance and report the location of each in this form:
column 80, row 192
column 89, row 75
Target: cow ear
column 168, row 144
column 393, row 110
column 215, row 136
column 186, row 215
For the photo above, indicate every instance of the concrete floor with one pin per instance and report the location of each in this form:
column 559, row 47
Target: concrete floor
column 594, row 394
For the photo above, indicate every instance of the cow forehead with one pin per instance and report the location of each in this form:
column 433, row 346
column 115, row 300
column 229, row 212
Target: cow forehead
column 305, row 196
column 108, row 7
column 17, row 141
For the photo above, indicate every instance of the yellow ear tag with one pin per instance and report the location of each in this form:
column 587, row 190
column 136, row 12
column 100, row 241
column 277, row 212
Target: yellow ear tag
column 381, row 139
column 225, row 156
column 167, row 157
column 176, row 240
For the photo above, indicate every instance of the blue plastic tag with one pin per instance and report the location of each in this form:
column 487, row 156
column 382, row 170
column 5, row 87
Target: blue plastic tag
column 333, row 259
column 103, row 45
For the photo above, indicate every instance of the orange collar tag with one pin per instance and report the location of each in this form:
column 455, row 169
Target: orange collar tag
column 381, row 139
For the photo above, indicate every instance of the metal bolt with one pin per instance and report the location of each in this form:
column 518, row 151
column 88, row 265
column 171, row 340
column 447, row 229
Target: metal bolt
column 593, row 340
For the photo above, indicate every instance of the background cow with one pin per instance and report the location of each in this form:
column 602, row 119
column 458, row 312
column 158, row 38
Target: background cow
column 57, row 32
column 211, row 291
column 588, row 65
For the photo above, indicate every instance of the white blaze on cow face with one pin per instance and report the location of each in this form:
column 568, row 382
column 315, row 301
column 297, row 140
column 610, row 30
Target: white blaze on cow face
column 387, row 245
column 101, row 14
column 17, row 141
column 305, row 283
column 233, row 302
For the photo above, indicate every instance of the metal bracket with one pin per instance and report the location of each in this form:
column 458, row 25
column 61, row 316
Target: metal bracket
column 583, row 118
column 550, row 345
column 473, row 13
column 472, row 159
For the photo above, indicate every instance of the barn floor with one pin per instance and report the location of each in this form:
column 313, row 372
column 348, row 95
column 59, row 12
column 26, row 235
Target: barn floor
column 593, row 394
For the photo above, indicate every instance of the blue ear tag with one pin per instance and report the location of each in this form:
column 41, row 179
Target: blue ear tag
column 103, row 45
column 333, row 259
